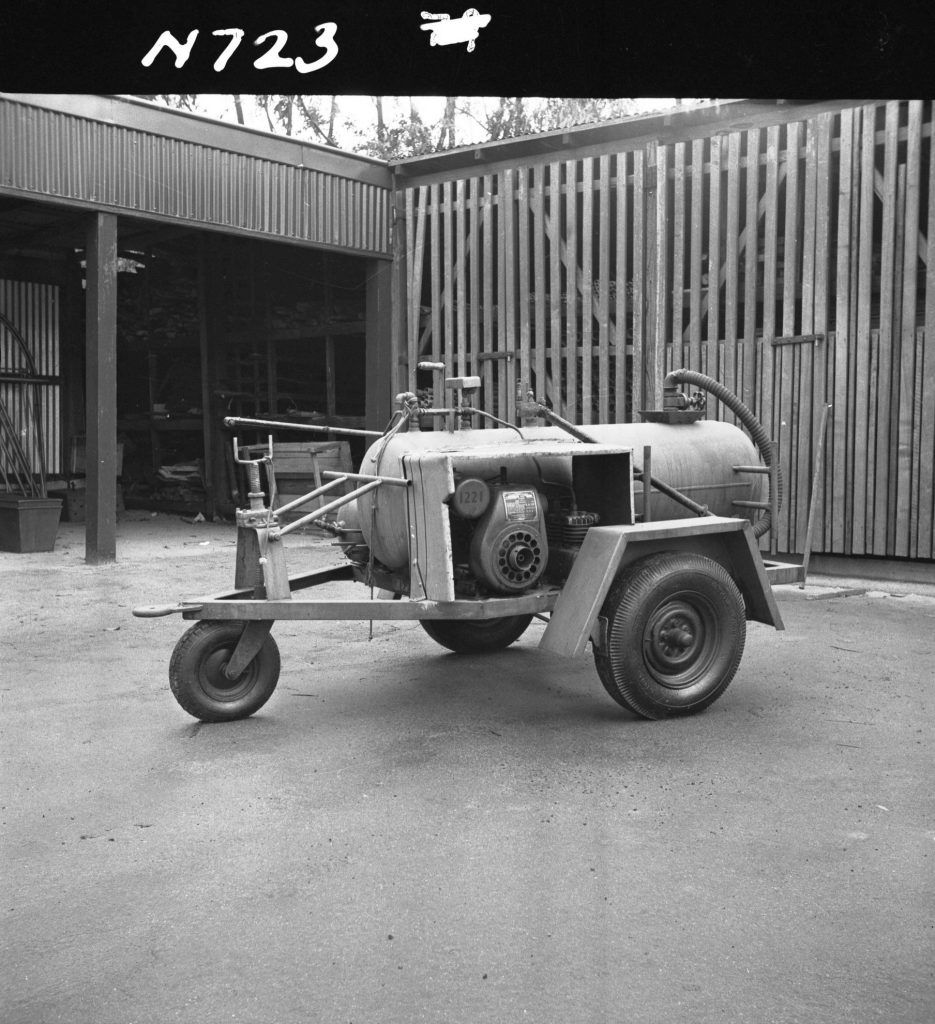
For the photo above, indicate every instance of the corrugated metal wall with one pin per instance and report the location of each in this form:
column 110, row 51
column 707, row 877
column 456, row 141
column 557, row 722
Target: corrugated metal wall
column 33, row 309
column 588, row 278
column 49, row 154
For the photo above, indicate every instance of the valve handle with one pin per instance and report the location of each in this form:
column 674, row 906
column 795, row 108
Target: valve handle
column 253, row 462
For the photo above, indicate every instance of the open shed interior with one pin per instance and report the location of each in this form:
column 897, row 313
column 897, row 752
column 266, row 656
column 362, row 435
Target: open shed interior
column 208, row 325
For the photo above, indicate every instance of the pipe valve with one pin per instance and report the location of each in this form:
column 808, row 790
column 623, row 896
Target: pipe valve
column 673, row 398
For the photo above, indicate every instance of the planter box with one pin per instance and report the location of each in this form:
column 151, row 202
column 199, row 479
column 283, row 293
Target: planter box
column 28, row 524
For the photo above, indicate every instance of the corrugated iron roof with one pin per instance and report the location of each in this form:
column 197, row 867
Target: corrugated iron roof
column 135, row 158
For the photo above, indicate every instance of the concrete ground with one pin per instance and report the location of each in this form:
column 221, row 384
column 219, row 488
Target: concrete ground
column 405, row 835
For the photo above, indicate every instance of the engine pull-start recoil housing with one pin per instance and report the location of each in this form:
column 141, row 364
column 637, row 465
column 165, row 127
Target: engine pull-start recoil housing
column 509, row 549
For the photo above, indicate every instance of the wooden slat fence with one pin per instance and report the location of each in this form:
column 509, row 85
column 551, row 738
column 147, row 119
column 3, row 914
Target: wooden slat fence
column 793, row 262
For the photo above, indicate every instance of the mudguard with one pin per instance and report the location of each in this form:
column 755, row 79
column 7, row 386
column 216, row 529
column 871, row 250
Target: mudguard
column 607, row 549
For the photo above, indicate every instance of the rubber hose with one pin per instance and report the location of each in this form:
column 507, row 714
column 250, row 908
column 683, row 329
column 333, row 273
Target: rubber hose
column 757, row 431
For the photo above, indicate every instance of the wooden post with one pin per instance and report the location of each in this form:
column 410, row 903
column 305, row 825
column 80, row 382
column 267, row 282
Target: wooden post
column 659, row 321
column 621, row 409
column 399, row 342
column 555, row 287
column 207, row 381
column 538, row 209
column 697, row 254
column 571, row 292
column 101, row 384
column 710, row 363
column 587, row 288
column 605, row 385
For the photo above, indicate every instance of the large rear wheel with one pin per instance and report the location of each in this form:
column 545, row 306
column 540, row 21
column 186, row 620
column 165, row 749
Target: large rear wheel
column 198, row 679
column 674, row 636
column 464, row 636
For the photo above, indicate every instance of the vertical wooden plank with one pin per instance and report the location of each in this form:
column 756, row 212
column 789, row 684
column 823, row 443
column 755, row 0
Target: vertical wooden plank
column 884, row 376
column 507, row 368
column 697, row 254
column 416, row 257
column 771, row 233
column 791, row 230
column 926, row 544
column 822, row 354
column 571, row 290
column 500, row 303
column 751, row 263
column 639, row 295
column 448, row 295
column 678, row 254
column 101, row 385
column 436, row 287
column 874, row 385
column 621, row 410
column 862, row 443
column 487, row 342
column 460, row 296
column 524, row 370
column 853, row 321
column 650, row 277
column 732, row 264
column 662, row 284
column 806, row 358
column 898, row 512
column 538, row 227
column 399, row 287
column 555, row 286
column 787, row 399
column 409, row 205
column 907, row 534
column 809, row 200
column 475, row 275
column 843, row 332
column 587, row 286
column 412, row 337
column 603, row 305
column 921, row 499
column 714, row 267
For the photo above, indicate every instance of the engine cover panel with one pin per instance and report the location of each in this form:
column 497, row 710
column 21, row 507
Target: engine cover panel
column 509, row 549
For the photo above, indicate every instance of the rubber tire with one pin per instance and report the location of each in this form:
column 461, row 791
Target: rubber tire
column 196, row 673
column 642, row 667
column 464, row 636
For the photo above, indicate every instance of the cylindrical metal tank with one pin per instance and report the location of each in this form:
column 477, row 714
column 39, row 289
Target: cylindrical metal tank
column 695, row 458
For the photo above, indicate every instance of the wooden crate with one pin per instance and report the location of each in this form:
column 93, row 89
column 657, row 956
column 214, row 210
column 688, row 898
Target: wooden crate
column 294, row 467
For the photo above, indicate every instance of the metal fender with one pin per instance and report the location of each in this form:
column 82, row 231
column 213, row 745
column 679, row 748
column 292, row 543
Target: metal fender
column 607, row 549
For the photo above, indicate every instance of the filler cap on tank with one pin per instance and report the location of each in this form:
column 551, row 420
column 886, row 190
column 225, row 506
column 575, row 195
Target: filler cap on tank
column 676, row 407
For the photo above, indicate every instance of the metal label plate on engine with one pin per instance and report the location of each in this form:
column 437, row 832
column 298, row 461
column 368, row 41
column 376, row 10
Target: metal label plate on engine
column 520, row 506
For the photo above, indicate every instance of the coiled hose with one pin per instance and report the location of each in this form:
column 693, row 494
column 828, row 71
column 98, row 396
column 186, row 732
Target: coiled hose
column 757, row 431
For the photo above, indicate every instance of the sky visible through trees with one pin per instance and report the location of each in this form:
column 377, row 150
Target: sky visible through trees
column 395, row 127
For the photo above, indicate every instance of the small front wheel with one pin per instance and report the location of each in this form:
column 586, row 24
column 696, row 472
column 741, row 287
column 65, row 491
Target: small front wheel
column 467, row 636
column 197, row 673
column 675, row 632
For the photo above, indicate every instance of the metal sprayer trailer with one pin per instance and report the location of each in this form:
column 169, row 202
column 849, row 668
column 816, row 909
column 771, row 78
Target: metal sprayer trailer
column 642, row 540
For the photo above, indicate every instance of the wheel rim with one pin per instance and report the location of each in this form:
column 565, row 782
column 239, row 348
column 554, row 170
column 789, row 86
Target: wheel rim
column 680, row 640
column 215, row 683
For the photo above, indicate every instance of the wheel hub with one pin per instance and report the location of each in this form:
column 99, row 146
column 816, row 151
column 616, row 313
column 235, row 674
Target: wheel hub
column 215, row 681
column 679, row 641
